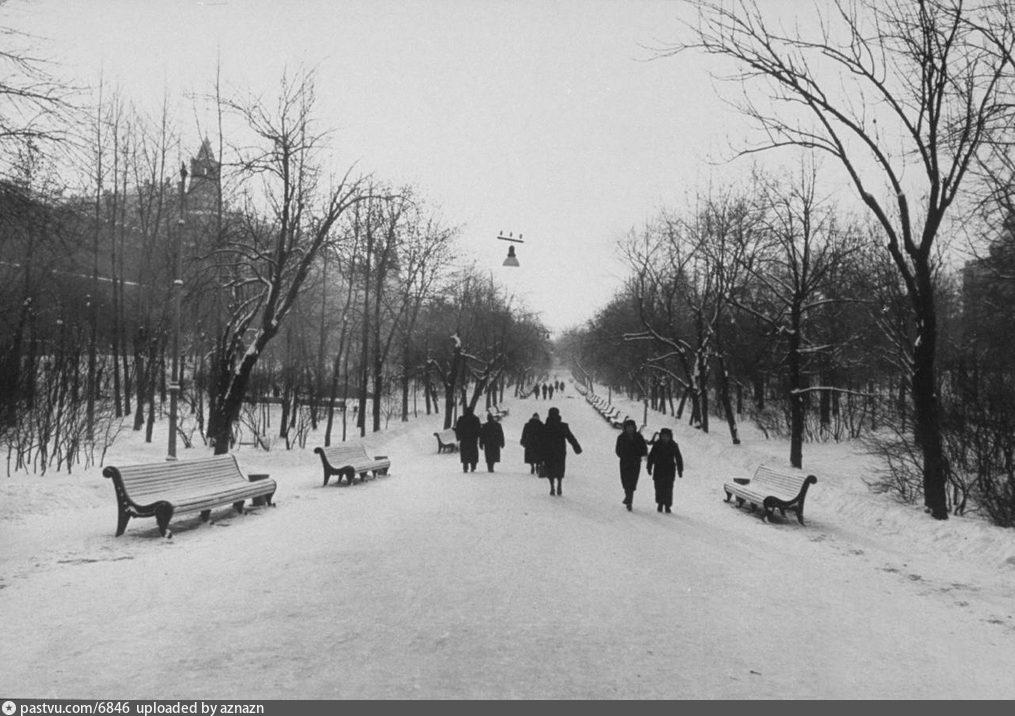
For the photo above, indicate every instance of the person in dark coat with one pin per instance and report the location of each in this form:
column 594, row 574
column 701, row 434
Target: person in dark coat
column 491, row 439
column 550, row 391
column 553, row 446
column 530, row 441
column 545, row 389
column 467, row 431
column 665, row 460
column 631, row 448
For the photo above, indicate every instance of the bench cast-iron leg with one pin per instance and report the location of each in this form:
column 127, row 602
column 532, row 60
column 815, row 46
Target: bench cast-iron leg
column 164, row 513
column 121, row 521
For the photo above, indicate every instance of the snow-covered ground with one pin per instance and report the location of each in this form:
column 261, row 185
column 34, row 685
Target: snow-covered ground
column 430, row 583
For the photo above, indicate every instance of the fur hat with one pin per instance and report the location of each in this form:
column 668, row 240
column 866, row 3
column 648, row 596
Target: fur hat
column 553, row 412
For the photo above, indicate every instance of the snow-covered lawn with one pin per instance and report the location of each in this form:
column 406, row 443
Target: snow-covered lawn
column 430, row 583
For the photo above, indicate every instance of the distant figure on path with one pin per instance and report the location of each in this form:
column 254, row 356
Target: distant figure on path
column 664, row 459
column 491, row 439
column 467, row 431
column 530, row 441
column 550, row 391
column 631, row 448
column 535, row 391
column 556, row 435
column 545, row 389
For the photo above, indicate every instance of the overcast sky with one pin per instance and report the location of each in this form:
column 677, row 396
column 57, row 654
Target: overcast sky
column 541, row 117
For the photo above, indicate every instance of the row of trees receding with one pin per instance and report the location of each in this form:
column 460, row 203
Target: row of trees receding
column 339, row 298
column 778, row 292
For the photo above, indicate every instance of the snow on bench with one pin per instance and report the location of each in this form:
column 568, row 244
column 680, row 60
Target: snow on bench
column 446, row 441
column 350, row 460
column 163, row 489
column 772, row 491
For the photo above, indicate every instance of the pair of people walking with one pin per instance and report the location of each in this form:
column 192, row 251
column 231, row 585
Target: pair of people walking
column 546, row 447
column 664, row 460
column 472, row 435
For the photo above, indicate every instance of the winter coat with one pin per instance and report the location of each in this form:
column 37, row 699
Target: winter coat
column 467, row 431
column 530, row 440
column 630, row 449
column 491, row 439
column 553, row 445
column 665, row 461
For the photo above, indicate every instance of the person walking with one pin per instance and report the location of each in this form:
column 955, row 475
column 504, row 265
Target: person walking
column 631, row 448
column 664, row 459
column 530, row 441
column 545, row 389
column 553, row 446
column 550, row 391
column 491, row 439
column 467, row 431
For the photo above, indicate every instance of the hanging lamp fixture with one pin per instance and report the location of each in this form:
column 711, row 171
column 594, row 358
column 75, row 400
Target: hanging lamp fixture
column 512, row 258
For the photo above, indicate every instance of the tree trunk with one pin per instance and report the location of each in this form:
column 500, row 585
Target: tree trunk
column 796, row 398
column 722, row 378
column 758, row 382
column 926, row 410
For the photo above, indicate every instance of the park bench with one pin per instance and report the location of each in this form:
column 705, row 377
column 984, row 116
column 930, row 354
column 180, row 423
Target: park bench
column 168, row 488
column 771, row 490
column 350, row 460
column 446, row 441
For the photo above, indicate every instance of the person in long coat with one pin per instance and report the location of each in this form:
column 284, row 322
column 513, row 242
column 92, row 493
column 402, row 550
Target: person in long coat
column 467, row 431
column 665, row 460
column 631, row 448
column 553, row 446
column 530, row 441
column 491, row 439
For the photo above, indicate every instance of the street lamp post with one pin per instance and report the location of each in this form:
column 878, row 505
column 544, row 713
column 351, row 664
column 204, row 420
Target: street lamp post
column 174, row 382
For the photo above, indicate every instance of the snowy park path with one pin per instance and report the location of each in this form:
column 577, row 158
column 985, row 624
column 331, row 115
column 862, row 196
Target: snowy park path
column 430, row 583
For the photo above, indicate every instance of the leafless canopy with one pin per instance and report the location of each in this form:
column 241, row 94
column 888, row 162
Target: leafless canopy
column 885, row 88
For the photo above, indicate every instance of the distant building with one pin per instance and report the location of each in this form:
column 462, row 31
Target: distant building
column 204, row 188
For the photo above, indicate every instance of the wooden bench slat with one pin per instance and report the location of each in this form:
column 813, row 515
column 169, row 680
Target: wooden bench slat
column 447, row 441
column 350, row 460
column 773, row 490
column 163, row 489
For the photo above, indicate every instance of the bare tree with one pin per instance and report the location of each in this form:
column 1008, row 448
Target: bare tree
column 271, row 260
column 790, row 264
column 900, row 94
column 33, row 105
